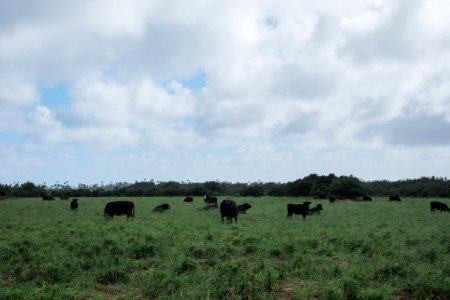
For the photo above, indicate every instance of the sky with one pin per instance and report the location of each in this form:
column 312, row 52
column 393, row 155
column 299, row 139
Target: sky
column 121, row 91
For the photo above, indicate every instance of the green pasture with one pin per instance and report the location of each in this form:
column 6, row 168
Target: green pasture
column 353, row 250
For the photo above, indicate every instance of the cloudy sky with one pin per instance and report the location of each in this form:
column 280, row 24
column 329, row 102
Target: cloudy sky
column 105, row 91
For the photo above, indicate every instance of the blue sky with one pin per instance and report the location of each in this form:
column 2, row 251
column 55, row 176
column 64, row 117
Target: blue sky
column 56, row 96
column 230, row 90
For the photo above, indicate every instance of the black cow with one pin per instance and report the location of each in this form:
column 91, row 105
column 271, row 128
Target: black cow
column 74, row 204
column 332, row 199
column 367, row 198
column 394, row 198
column 298, row 209
column 119, row 208
column 242, row 209
column 315, row 210
column 188, row 199
column 64, row 198
column 161, row 208
column 228, row 209
column 435, row 205
column 210, row 199
column 208, row 207
column 47, row 198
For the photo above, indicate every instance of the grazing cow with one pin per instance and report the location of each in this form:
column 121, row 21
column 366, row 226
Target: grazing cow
column 161, row 208
column 332, row 199
column 210, row 199
column 64, row 198
column 439, row 206
column 298, row 209
column 119, row 208
column 47, row 198
column 315, row 210
column 74, row 204
column 228, row 209
column 394, row 198
column 242, row 209
column 367, row 198
column 208, row 207
column 188, row 199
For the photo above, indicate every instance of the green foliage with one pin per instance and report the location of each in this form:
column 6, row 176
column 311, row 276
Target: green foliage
column 27, row 189
column 252, row 191
column 421, row 187
column 311, row 185
column 347, row 186
column 317, row 186
column 213, row 187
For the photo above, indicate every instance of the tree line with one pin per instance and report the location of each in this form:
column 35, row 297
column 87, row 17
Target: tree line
column 317, row 186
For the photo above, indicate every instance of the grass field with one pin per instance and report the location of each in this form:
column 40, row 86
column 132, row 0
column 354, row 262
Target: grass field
column 353, row 250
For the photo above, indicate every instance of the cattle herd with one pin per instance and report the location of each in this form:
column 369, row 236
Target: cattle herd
column 229, row 210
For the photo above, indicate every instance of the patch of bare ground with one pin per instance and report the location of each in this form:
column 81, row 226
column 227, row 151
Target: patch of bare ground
column 114, row 293
column 288, row 288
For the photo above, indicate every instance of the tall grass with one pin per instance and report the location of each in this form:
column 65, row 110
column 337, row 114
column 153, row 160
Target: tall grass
column 353, row 250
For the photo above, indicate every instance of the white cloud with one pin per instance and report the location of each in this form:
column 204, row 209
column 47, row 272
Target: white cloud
column 366, row 21
column 109, row 113
column 16, row 92
column 299, row 85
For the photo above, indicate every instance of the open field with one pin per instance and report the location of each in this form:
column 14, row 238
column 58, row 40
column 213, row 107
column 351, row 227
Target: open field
column 353, row 250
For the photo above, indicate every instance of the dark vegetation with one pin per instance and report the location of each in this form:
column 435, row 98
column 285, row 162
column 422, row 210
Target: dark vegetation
column 316, row 186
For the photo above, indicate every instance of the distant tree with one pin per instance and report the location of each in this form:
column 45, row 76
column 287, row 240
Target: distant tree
column 196, row 190
column 212, row 187
column 4, row 190
column 321, row 186
column 253, row 191
column 170, row 188
column 320, row 190
column 278, row 190
column 299, row 188
column 312, row 185
column 348, row 187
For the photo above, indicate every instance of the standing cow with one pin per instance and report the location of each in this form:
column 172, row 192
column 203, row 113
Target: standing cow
column 394, row 198
column 74, row 204
column 119, row 208
column 228, row 209
column 332, row 199
column 47, row 198
column 435, row 205
column 210, row 199
column 188, row 199
column 298, row 209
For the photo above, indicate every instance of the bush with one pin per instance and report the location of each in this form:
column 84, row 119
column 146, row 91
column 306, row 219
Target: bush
column 348, row 187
